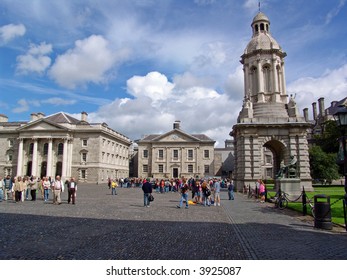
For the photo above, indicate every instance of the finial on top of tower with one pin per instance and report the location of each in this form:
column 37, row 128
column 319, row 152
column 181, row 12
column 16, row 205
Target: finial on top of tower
column 259, row 5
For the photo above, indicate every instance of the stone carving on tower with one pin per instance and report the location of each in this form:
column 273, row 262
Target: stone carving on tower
column 268, row 118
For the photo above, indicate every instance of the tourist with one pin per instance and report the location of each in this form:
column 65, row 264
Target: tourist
column 72, row 189
column 25, row 188
column 8, row 187
column 58, row 188
column 34, row 185
column 184, row 195
column 216, row 190
column 114, row 185
column 262, row 191
column 206, row 193
column 147, row 191
column 2, row 189
column 198, row 197
column 231, row 190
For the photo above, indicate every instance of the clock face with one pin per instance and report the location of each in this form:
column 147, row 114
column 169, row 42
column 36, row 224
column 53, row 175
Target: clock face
column 174, row 136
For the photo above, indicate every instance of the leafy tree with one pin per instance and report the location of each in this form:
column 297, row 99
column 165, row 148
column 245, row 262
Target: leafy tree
column 323, row 165
column 329, row 140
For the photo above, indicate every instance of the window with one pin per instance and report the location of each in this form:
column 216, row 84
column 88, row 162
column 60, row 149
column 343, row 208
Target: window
column 161, row 154
column 145, row 168
column 31, row 148
column 10, row 157
column 206, row 154
column 60, row 148
column 84, row 143
column 175, row 154
column 207, row 169
column 84, row 157
column 83, row 173
column 10, row 142
column 161, row 168
column 268, row 159
column 190, row 154
column 145, row 153
column 45, row 149
column 267, row 79
column 190, row 168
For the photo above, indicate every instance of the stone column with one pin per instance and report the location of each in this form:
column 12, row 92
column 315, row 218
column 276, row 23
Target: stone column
column 274, row 76
column 63, row 172
column 49, row 158
column 20, row 158
column 34, row 163
column 70, row 151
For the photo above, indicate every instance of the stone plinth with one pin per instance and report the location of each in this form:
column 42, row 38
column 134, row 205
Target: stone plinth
column 291, row 186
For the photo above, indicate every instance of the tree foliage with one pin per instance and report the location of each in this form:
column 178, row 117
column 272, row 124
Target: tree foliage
column 323, row 165
column 329, row 139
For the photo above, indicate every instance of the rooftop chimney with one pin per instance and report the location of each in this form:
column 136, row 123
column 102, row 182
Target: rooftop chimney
column 84, row 116
column 321, row 106
column 314, row 106
column 3, row 118
column 176, row 125
column 40, row 115
column 306, row 114
column 33, row 117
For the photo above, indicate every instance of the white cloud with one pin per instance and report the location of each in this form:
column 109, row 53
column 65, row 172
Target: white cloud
column 332, row 85
column 89, row 61
column 23, row 106
column 11, row 31
column 56, row 101
column 334, row 12
column 158, row 103
column 154, row 85
column 35, row 60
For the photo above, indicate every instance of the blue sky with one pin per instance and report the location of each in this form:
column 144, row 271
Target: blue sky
column 139, row 65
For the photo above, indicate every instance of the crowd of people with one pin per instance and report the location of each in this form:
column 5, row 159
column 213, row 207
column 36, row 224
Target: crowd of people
column 19, row 188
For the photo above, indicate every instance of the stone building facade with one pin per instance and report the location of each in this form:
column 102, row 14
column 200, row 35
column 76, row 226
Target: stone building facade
column 268, row 118
column 62, row 145
column 175, row 154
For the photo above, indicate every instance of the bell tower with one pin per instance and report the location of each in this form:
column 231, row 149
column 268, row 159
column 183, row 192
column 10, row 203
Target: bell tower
column 269, row 120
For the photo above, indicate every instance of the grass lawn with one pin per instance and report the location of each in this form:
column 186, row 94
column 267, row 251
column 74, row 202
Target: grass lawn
column 336, row 193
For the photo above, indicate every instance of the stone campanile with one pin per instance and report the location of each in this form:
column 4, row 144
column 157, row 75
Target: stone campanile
column 268, row 118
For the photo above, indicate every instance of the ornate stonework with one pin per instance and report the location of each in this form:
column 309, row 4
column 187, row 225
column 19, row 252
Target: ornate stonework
column 267, row 119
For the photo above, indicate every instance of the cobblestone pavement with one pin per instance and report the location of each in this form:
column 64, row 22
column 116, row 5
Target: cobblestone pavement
column 102, row 226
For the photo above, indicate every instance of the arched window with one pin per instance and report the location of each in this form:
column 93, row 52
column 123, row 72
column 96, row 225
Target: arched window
column 267, row 79
column 31, row 148
column 256, row 28
column 60, row 148
column 254, row 80
column 45, row 149
column 262, row 27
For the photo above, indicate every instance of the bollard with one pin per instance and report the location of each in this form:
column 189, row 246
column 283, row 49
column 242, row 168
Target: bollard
column 304, row 206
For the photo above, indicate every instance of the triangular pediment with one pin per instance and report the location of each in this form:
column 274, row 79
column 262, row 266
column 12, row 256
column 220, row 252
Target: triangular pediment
column 176, row 135
column 41, row 125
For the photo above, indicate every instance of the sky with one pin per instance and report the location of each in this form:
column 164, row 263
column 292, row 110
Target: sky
column 140, row 65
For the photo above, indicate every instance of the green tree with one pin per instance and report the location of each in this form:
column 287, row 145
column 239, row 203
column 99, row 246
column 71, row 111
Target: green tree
column 329, row 140
column 323, row 165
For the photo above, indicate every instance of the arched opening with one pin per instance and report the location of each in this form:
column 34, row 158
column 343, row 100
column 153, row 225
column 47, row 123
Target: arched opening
column 267, row 78
column 59, row 168
column 29, row 168
column 274, row 153
column 43, row 172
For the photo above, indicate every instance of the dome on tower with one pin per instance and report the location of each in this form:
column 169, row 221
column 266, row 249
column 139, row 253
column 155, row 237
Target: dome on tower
column 261, row 39
column 260, row 17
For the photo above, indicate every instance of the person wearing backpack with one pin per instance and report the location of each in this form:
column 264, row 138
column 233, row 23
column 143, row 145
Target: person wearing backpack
column 184, row 195
column 206, row 193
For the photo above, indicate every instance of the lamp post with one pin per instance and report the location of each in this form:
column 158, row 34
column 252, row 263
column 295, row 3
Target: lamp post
column 341, row 121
